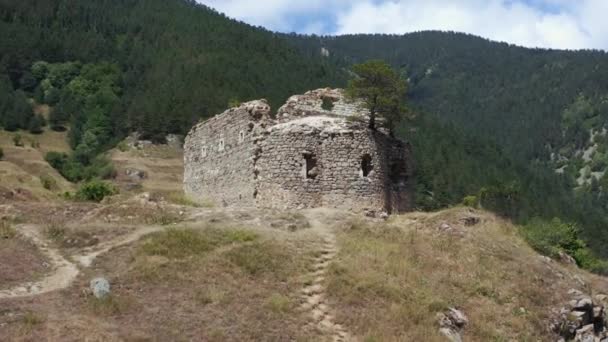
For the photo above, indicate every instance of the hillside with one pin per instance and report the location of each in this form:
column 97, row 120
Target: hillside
column 232, row 274
column 512, row 127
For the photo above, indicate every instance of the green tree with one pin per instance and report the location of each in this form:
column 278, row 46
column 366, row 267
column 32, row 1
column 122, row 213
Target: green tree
column 382, row 90
column 40, row 70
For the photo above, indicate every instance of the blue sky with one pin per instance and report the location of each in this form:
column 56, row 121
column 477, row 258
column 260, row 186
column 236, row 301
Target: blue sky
column 562, row 24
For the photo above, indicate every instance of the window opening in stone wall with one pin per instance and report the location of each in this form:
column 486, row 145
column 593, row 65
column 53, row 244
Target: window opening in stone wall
column 204, row 151
column 241, row 136
column 221, row 145
column 366, row 165
column 311, row 170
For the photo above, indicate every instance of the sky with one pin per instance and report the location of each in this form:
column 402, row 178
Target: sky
column 559, row 24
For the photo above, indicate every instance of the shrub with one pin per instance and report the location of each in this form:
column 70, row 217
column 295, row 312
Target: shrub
column 327, row 104
column 35, row 124
column 122, row 146
column 17, row 140
column 48, row 182
column 7, row 231
column 1, row 153
column 95, row 191
column 551, row 237
column 470, row 201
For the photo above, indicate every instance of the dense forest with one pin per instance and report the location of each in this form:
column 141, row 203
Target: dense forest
column 492, row 121
column 179, row 61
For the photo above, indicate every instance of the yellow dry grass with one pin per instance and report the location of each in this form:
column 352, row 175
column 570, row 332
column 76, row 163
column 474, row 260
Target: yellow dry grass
column 392, row 279
column 163, row 165
column 24, row 167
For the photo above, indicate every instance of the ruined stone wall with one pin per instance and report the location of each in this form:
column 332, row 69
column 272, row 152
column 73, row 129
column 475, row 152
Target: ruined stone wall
column 308, row 157
column 218, row 155
column 338, row 148
column 311, row 104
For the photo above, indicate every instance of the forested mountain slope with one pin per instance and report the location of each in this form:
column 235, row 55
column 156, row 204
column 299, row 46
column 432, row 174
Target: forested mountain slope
column 180, row 61
column 518, row 96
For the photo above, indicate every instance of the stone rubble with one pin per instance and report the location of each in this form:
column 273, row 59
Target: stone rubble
column 451, row 324
column 582, row 319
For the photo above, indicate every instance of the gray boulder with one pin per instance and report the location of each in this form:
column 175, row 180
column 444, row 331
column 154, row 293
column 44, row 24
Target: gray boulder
column 100, row 287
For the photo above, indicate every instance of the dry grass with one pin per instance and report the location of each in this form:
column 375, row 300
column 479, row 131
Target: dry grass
column 7, row 231
column 211, row 283
column 25, row 167
column 21, row 261
column 404, row 272
column 163, row 165
column 179, row 198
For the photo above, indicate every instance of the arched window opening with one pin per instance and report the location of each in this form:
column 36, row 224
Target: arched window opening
column 241, row 136
column 221, row 145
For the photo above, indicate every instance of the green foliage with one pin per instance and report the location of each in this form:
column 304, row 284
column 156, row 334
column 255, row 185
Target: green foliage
column 48, row 182
column 234, row 102
column 382, row 90
column 36, row 124
column 17, row 140
column 555, row 236
column 551, row 237
column 470, row 201
column 183, row 243
column 1, row 153
column 257, row 258
column 327, row 104
column 95, row 190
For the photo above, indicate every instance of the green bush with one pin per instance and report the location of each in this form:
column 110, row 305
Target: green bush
column 95, row 191
column 17, row 140
column 470, row 201
column 48, row 182
column 551, row 237
column 1, row 153
column 75, row 171
column 122, row 146
column 327, row 104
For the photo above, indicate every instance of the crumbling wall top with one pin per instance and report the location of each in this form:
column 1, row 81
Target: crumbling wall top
column 324, row 101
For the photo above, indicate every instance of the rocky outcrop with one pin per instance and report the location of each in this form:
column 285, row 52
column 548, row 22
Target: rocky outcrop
column 582, row 319
column 451, row 324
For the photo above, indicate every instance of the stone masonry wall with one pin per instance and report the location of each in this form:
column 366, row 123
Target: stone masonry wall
column 308, row 157
column 338, row 148
column 218, row 155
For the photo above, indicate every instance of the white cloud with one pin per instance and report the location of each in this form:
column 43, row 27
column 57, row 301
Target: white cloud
column 563, row 24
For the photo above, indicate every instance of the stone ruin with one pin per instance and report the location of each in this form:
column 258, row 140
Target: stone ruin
column 317, row 152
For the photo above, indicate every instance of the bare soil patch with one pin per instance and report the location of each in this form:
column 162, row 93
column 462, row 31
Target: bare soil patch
column 21, row 261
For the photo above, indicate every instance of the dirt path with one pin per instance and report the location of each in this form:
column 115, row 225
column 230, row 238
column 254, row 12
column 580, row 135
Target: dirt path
column 314, row 297
column 64, row 271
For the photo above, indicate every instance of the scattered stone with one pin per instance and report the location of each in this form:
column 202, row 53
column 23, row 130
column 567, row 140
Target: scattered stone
column 100, row 288
column 471, row 220
column 566, row 258
column 585, row 334
column 451, row 323
column 581, row 319
column 136, row 174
